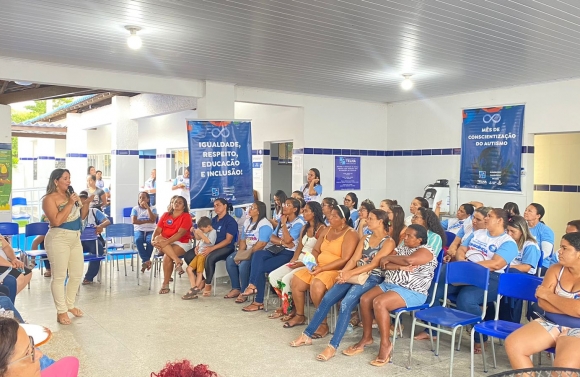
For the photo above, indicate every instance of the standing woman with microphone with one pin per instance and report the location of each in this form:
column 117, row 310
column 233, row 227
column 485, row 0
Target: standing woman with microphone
column 65, row 212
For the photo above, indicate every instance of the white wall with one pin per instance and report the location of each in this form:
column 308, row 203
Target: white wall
column 165, row 131
column 99, row 140
column 436, row 123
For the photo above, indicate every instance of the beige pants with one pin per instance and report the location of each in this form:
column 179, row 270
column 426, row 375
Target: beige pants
column 65, row 253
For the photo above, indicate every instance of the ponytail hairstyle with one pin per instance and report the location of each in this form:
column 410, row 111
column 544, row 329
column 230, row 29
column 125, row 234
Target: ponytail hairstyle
column 343, row 212
column 423, row 201
column 519, row 223
column 502, row 214
column 390, row 202
column 420, row 232
column 281, row 195
column 575, row 224
column 354, row 199
column 295, row 204
column 468, row 208
column 512, row 208
column 382, row 215
column 261, row 212
column 539, row 210
column 318, row 219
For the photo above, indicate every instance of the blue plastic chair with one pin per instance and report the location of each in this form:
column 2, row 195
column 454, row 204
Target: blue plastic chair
column 90, row 234
column 122, row 231
column 35, row 229
column 127, row 213
column 450, row 238
column 412, row 309
column 465, row 273
column 16, row 202
column 516, row 285
column 11, row 229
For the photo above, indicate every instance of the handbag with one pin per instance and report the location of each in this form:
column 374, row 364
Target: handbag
column 276, row 249
column 243, row 255
column 359, row 279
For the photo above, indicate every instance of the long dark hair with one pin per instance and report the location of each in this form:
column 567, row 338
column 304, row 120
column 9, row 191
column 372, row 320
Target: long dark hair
column 383, row 216
column 281, row 195
column 354, row 199
column 261, row 212
column 316, row 175
column 229, row 206
column 423, row 201
column 146, row 194
column 185, row 206
column 398, row 223
column 316, row 209
column 8, row 336
column 502, row 214
column 55, row 176
column 512, row 208
column 540, row 210
column 433, row 223
column 295, row 204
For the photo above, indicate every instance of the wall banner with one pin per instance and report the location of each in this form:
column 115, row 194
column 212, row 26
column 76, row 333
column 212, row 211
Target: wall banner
column 5, row 176
column 220, row 160
column 491, row 148
column 346, row 173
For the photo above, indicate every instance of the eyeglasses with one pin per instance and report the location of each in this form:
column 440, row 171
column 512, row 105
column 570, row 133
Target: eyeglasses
column 32, row 354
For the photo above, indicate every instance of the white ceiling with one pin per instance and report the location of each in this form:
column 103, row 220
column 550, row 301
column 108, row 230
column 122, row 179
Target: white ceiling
column 355, row 48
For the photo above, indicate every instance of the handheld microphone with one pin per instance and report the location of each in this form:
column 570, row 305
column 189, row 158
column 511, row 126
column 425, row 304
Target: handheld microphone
column 72, row 191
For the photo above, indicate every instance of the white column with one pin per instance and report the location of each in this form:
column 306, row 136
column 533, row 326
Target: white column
column 76, row 151
column 6, row 144
column 163, row 184
column 45, row 152
column 26, row 160
column 124, row 158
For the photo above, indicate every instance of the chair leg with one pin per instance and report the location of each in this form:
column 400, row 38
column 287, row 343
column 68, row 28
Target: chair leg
column 213, row 284
column 493, row 353
column 430, row 339
column 452, row 350
column 138, row 264
column 125, row 263
column 459, row 342
column 174, row 278
column 267, row 290
column 472, row 349
column 483, row 351
column 439, row 338
column 153, row 269
column 412, row 339
column 396, row 325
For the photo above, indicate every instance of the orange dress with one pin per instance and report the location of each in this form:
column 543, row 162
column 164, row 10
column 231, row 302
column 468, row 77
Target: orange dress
column 330, row 251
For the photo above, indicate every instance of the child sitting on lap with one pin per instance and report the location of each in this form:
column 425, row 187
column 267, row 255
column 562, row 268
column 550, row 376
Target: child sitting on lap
column 206, row 234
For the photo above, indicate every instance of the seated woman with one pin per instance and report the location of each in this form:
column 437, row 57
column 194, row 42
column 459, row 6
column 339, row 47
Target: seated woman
column 408, row 276
column 363, row 213
column 297, row 195
column 462, row 225
column 543, row 234
column 477, row 222
column 171, row 237
column 9, row 262
column 256, row 233
column 396, row 215
column 20, row 358
column 351, row 202
column 492, row 248
column 560, row 294
column 512, row 208
column 327, row 205
column 143, row 218
column 332, row 251
column 415, row 204
column 280, row 251
column 281, row 277
column 312, row 189
column 363, row 264
column 279, row 200
column 227, row 230
column 529, row 253
column 435, row 233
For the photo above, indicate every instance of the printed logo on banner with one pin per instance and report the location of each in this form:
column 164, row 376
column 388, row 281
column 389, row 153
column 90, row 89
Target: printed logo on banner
column 491, row 148
column 220, row 160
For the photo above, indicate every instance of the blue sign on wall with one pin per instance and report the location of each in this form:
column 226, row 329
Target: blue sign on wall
column 220, row 160
column 346, row 173
column 491, row 148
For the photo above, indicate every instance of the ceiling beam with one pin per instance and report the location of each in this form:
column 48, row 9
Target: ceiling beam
column 38, row 136
column 4, row 85
column 38, row 129
column 46, row 92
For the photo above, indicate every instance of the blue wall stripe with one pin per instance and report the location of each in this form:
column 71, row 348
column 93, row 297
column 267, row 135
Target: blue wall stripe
column 46, row 157
column 146, row 157
column 77, row 155
column 388, row 153
column 556, row 188
column 125, row 152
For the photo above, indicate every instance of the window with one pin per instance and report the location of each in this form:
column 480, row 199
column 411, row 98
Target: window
column 285, row 153
column 101, row 162
column 179, row 161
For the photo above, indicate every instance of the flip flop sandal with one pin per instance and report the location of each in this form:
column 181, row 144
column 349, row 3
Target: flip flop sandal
column 323, row 357
column 241, row 300
column 206, row 293
column 164, row 290
column 320, row 336
column 252, row 291
column 287, row 317
column 87, row 282
column 253, row 307
column 288, row 325
column 47, row 274
column 276, row 315
column 232, row 296
column 352, row 351
column 190, row 295
column 295, row 343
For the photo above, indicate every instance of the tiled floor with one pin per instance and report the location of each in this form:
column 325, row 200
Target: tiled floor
column 132, row 331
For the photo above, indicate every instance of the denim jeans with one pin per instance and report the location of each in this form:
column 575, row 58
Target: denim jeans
column 352, row 294
column 264, row 262
column 239, row 273
column 12, row 287
column 90, row 247
column 7, row 304
column 143, row 243
column 469, row 297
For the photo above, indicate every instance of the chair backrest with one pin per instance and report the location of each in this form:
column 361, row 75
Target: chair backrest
column 467, row 273
column 9, row 229
column 110, row 219
column 19, row 201
column 519, row 285
column 436, row 275
column 36, row 229
column 120, row 230
column 89, row 234
column 450, row 238
column 127, row 211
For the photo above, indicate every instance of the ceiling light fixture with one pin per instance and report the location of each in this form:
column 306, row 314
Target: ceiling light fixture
column 134, row 41
column 407, row 84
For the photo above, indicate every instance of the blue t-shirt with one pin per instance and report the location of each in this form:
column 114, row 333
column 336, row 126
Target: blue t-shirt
column 262, row 233
column 354, row 215
column 223, row 226
column 545, row 237
column 530, row 254
column 294, row 229
column 482, row 246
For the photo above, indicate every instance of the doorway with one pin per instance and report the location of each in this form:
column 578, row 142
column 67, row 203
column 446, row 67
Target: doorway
column 280, row 168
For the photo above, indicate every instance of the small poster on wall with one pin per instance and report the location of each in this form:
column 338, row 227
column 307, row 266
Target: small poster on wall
column 491, row 148
column 346, row 173
column 5, row 176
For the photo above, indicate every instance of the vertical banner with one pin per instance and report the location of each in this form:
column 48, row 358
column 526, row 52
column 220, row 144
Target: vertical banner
column 491, row 148
column 220, row 162
column 5, row 176
column 346, row 173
